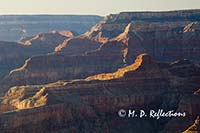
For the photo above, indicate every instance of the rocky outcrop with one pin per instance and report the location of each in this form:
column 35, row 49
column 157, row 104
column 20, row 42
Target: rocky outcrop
column 47, row 40
column 38, row 99
column 50, row 38
column 142, row 61
column 195, row 128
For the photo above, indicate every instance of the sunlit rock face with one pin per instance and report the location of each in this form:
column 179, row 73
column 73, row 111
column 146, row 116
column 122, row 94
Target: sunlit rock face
column 195, row 128
column 69, row 105
column 141, row 62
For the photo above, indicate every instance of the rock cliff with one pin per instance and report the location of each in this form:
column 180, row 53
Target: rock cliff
column 69, row 105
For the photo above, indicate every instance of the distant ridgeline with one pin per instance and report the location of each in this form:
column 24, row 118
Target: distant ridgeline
column 16, row 27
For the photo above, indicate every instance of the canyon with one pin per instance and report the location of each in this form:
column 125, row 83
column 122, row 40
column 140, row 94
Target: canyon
column 78, row 83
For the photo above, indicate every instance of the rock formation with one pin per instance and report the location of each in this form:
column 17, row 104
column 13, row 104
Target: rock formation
column 51, row 39
column 59, row 101
column 139, row 64
column 94, row 75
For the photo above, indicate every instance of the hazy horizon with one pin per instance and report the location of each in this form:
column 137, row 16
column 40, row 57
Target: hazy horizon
column 91, row 7
column 51, row 14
